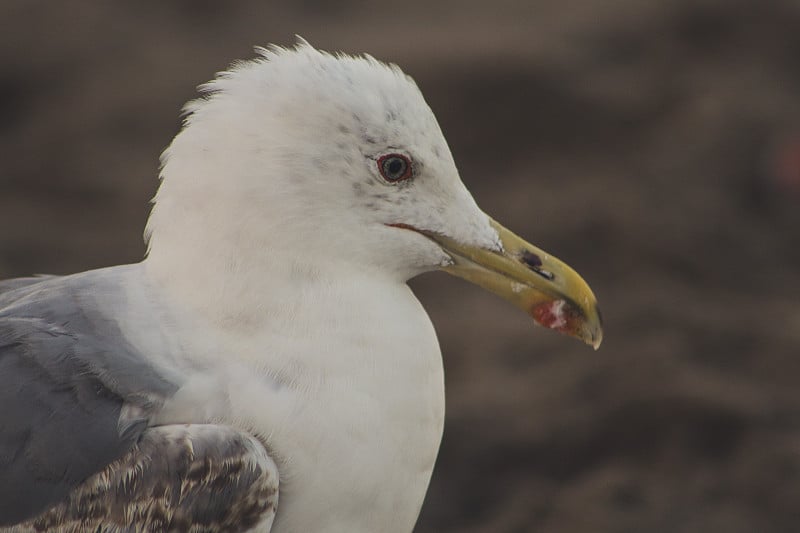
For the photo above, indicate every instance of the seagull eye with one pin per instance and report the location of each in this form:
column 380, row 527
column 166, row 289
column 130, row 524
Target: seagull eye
column 394, row 167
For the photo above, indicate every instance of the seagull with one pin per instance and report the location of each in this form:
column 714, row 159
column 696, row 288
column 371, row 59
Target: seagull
column 265, row 367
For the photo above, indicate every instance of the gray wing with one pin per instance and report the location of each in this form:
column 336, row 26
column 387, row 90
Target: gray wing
column 199, row 478
column 77, row 451
column 8, row 285
column 75, row 397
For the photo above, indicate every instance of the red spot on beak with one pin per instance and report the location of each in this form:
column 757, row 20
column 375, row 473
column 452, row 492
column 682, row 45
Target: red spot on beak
column 558, row 315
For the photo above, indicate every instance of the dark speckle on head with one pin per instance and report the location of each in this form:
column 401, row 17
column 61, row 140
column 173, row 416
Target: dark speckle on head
column 320, row 163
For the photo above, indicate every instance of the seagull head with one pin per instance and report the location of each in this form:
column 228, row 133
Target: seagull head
column 329, row 162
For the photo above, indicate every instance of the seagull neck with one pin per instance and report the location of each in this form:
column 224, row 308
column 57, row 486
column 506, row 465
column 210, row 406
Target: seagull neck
column 227, row 291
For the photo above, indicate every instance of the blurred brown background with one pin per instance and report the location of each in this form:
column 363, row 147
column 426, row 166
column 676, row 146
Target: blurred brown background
column 654, row 145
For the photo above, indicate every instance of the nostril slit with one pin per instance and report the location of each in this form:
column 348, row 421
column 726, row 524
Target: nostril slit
column 531, row 259
column 534, row 262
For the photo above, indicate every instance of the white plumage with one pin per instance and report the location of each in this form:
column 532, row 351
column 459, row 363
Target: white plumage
column 272, row 313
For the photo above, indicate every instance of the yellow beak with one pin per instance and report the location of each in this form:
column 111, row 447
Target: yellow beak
column 536, row 282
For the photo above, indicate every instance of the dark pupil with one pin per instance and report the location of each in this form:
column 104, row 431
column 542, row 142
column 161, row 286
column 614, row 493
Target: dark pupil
column 394, row 167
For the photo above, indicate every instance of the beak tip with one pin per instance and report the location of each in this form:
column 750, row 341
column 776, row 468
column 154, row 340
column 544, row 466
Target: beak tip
column 596, row 330
column 596, row 341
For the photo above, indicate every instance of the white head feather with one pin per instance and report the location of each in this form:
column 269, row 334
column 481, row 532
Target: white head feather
column 277, row 165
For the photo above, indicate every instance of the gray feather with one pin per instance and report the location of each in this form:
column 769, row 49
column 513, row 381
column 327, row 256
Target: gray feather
column 75, row 396
column 8, row 285
column 182, row 478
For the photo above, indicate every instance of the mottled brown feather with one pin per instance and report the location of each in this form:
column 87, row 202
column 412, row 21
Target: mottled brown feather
column 178, row 478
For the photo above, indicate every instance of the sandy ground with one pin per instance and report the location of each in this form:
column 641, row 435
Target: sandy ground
column 653, row 145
